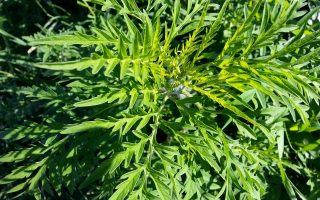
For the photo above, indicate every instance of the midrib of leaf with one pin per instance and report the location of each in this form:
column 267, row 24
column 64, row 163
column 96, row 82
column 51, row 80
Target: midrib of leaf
column 70, row 40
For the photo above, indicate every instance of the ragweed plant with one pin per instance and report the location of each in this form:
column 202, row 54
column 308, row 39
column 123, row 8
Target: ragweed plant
column 175, row 100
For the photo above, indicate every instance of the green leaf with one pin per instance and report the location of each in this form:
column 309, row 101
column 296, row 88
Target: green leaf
column 280, row 142
column 70, row 40
column 112, row 63
column 124, row 65
column 265, row 18
column 13, row 38
column 148, row 34
column 98, row 173
column 308, row 57
column 286, row 182
column 18, row 187
column 86, row 126
column 124, row 188
column 139, row 150
column 134, row 96
column 17, row 156
column 129, row 123
column 34, row 131
column 71, row 65
column 101, row 99
column 135, row 49
column 245, row 129
column 122, row 49
column 131, row 26
column 34, row 181
column 236, row 111
column 306, row 17
column 21, row 172
column 162, row 188
column 207, row 156
column 176, row 12
column 144, row 121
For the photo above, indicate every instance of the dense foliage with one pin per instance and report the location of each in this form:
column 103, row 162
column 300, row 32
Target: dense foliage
column 162, row 99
